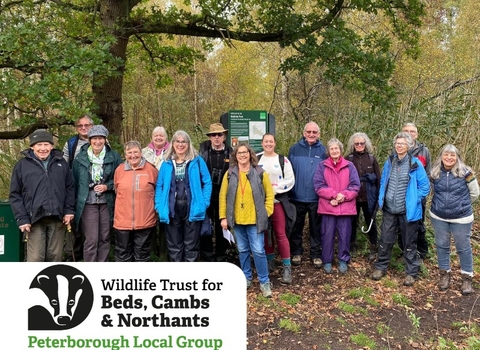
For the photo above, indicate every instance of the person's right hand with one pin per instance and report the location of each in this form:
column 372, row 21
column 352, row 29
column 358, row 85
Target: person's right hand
column 25, row 227
column 224, row 224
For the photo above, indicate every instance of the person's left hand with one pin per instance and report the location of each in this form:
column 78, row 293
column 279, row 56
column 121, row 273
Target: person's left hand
column 67, row 219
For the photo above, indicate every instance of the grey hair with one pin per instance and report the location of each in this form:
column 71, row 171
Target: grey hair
column 410, row 124
column 334, row 141
column 357, row 135
column 311, row 123
column 406, row 136
column 161, row 130
column 132, row 144
column 460, row 169
column 90, row 120
column 191, row 152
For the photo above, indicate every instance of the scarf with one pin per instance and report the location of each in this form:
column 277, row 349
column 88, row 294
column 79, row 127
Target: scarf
column 97, row 164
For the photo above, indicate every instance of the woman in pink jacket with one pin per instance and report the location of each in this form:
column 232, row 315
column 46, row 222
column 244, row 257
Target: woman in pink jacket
column 337, row 184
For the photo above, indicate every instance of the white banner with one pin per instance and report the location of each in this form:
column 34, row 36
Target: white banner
column 122, row 306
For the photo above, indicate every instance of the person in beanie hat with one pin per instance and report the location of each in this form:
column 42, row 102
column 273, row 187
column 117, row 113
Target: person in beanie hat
column 93, row 171
column 216, row 153
column 42, row 197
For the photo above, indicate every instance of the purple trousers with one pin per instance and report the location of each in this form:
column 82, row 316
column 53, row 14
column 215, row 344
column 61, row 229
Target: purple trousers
column 330, row 225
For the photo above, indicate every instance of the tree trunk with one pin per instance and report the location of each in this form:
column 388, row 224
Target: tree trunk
column 108, row 94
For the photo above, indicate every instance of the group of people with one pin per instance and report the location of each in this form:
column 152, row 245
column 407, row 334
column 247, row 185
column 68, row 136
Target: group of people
column 193, row 198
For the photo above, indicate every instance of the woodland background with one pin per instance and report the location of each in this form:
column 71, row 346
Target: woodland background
column 55, row 57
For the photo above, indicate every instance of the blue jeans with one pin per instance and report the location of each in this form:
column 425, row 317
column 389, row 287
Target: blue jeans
column 461, row 235
column 250, row 241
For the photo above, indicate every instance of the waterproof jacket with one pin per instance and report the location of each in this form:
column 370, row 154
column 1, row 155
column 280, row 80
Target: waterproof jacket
column 82, row 174
column 330, row 180
column 417, row 189
column 369, row 174
column 421, row 151
column 198, row 186
column 36, row 192
column 451, row 196
column 135, row 196
column 207, row 153
column 305, row 159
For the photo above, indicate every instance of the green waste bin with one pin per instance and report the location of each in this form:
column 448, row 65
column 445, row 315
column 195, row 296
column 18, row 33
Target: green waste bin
column 11, row 245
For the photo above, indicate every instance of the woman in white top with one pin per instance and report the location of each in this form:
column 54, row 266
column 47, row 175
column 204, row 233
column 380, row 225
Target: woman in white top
column 280, row 172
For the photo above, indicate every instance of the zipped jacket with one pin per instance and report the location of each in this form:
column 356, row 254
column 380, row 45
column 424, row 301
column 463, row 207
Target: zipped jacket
column 135, row 196
column 330, row 180
column 36, row 192
column 417, row 189
column 305, row 159
column 198, row 186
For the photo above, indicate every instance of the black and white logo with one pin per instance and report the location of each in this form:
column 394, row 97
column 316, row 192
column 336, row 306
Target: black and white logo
column 61, row 298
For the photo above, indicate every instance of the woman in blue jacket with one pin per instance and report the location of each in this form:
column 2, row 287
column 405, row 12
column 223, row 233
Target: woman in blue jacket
column 455, row 188
column 182, row 197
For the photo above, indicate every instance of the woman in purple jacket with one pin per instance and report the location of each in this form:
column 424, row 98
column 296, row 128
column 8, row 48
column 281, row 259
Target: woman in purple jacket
column 337, row 184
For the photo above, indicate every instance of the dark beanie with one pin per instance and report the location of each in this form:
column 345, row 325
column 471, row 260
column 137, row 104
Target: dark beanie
column 40, row 135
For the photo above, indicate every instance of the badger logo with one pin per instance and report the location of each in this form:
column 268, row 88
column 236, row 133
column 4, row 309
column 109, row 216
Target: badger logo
column 61, row 297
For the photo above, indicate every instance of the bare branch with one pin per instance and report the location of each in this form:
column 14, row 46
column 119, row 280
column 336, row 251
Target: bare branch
column 455, row 85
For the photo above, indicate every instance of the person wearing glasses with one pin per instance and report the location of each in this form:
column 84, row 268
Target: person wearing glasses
column 305, row 156
column 93, row 171
column 404, row 185
column 182, row 196
column 360, row 154
column 74, row 240
column 216, row 153
column 246, row 202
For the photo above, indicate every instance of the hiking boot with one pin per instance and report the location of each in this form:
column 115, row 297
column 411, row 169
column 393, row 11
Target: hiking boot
column 342, row 266
column 378, row 274
column 249, row 283
column 271, row 265
column 317, row 263
column 296, row 260
column 266, row 289
column 444, row 282
column 372, row 255
column 466, row 284
column 327, row 268
column 409, row 281
column 286, row 274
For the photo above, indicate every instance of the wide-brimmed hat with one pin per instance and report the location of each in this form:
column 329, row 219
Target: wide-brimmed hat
column 40, row 135
column 216, row 128
column 97, row 130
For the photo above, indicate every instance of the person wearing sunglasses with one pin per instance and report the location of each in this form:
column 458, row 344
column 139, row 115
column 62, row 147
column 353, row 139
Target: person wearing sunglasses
column 216, row 153
column 182, row 196
column 359, row 151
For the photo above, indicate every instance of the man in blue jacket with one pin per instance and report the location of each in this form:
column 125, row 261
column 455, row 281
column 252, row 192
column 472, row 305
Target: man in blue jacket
column 403, row 186
column 305, row 156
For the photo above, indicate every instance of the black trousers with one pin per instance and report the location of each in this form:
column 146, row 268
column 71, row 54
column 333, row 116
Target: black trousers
column 133, row 245
column 373, row 233
column 207, row 251
column 314, row 221
column 422, row 244
column 183, row 239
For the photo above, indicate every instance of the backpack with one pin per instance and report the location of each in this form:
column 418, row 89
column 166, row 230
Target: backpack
column 72, row 146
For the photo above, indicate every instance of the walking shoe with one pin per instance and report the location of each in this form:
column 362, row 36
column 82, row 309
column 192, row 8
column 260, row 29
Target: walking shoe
column 466, row 284
column 271, row 265
column 409, row 281
column 378, row 274
column 317, row 263
column 342, row 266
column 249, row 283
column 327, row 268
column 296, row 260
column 266, row 289
column 286, row 274
column 372, row 255
column 444, row 282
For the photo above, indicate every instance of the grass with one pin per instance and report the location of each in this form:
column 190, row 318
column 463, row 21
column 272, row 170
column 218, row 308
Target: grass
column 289, row 325
column 401, row 299
column 382, row 328
column 290, row 298
column 365, row 294
column 351, row 309
column 363, row 340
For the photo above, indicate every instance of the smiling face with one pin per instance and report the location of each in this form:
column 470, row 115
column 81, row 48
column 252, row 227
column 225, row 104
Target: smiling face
column 97, row 143
column 411, row 130
column 243, row 157
column 311, row 133
column 401, row 147
column 83, row 125
column 268, row 144
column 449, row 159
column 359, row 144
column 217, row 139
column 180, row 145
column 159, row 140
column 133, row 156
column 334, row 151
column 42, row 150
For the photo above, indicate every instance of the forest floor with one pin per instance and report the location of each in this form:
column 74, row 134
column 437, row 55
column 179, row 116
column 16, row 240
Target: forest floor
column 352, row 311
